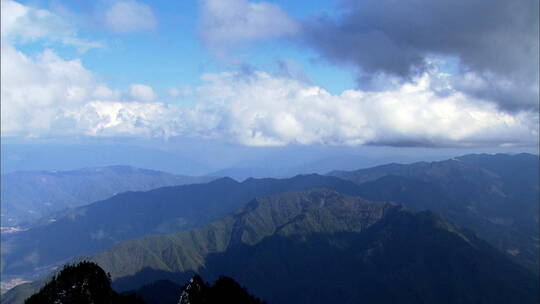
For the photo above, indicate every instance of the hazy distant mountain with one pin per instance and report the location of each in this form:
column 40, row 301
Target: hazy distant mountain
column 30, row 195
column 97, row 226
column 325, row 247
column 324, row 165
column 496, row 195
column 243, row 173
column 56, row 156
column 461, row 191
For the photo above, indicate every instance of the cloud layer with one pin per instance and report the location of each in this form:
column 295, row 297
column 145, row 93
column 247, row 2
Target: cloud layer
column 256, row 110
column 142, row 92
column 129, row 16
column 48, row 96
column 264, row 110
column 492, row 46
column 21, row 24
column 496, row 42
column 226, row 24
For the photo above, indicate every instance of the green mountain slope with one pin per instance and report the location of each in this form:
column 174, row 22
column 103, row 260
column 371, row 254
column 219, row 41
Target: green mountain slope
column 504, row 188
column 460, row 190
column 95, row 227
column 259, row 219
column 332, row 248
column 496, row 195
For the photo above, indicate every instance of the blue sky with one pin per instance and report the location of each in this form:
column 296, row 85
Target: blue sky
column 172, row 53
column 273, row 73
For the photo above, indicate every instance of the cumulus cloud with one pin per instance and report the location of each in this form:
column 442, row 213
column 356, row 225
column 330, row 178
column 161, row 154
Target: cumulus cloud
column 265, row 110
column 130, row 16
column 50, row 96
column 510, row 92
column 33, row 90
column 180, row 92
column 227, row 23
column 495, row 40
column 20, row 23
column 388, row 42
column 142, row 92
column 110, row 118
column 40, row 93
column 46, row 95
column 102, row 92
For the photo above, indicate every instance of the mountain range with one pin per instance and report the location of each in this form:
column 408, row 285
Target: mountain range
column 95, row 227
column 495, row 195
column 28, row 196
column 332, row 247
column 491, row 197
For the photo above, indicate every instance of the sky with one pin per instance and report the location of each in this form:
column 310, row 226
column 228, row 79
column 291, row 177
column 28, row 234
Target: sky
column 424, row 74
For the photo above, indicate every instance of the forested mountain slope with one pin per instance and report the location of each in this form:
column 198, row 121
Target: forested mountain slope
column 333, row 248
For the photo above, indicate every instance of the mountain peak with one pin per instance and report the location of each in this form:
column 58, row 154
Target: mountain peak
column 224, row 290
column 224, row 180
column 194, row 292
column 84, row 282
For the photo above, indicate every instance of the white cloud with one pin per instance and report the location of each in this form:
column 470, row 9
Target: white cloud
column 226, row 23
column 181, row 92
column 11, row 11
column 142, row 92
column 46, row 95
column 40, row 94
column 106, row 118
column 264, row 110
column 34, row 90
column 130, row 16
column 23, row 24
column 104, row 92
column 50, row 96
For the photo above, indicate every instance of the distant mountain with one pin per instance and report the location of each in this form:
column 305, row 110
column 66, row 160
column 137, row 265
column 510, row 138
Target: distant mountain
column 83, row 283
column 293, row 160
column 95, row 227
column 325, row 247
column 499, row 202
column 496, row 195
column 48, row 155
column 27, row 196
column 241, row 172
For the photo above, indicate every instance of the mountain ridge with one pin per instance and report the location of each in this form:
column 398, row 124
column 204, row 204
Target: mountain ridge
column 30, row 195
column 94, row 227
column 415, row 193
column 357, row 231
column 496, row 195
